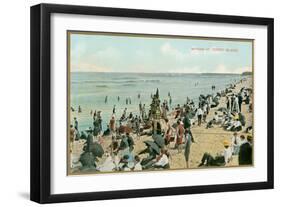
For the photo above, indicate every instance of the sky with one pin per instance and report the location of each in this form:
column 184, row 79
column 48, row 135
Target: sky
column 150, row 54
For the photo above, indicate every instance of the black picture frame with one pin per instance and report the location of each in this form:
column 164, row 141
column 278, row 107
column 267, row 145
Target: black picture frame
column 41, row 102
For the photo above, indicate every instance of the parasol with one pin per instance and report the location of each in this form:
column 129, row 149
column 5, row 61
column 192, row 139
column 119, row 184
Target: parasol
column 159, row 140
column 153, row 146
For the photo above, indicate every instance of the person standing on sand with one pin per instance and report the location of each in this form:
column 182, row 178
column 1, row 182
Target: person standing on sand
column 240, row 101
column 137, row 125
column 186, row 122
column 72, row 134
column 180, row 134
column 199, row 115
column 112, row 124
column 188, row 141
column 235, row 143
column 75, row 124
column 205, row 112
column 245, row 156
column 168, row 132
column 178, row 111
column 228, row 103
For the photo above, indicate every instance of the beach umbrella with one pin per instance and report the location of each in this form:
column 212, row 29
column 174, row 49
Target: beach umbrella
column 159, row 140
column 96, row 149
column 153, row 146
column 87, row 159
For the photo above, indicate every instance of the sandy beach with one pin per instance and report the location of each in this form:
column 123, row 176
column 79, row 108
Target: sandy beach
column 206, row 140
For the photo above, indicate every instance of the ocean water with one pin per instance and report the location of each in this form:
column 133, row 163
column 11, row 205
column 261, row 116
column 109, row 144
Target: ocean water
column 90, row 89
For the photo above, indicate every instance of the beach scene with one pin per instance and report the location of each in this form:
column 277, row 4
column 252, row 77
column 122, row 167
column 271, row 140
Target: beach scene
column 150, row 103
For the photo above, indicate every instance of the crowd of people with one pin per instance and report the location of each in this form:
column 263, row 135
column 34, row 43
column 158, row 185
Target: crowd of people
column 170, row 133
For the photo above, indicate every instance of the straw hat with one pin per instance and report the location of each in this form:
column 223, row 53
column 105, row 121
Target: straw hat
column 249, row 137
column 226, row 143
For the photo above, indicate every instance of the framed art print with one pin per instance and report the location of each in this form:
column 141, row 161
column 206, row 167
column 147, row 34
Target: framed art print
column 132, row 103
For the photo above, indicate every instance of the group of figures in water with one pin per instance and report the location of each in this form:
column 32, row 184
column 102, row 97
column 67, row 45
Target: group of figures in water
column 161, row 130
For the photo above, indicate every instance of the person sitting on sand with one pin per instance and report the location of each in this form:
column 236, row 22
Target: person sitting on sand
column 108, row 165
column 236, row 126
column 215, row 102
column 217, row 119
column 242, row 119
column 138, row 166
column 124, row 164
column 114, row 146
column 124, row 143
column 211, row 123
column 162, row 161
column 220, row 159
column 107, row 131
column 148, row 161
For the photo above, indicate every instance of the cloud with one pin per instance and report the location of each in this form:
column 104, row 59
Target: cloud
column 99, row 61
column 168, row 49
column 107, row 53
